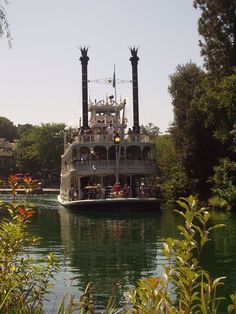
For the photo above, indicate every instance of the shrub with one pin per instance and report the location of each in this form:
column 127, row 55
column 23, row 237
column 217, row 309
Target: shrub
column 24, row 283
column 185, row 287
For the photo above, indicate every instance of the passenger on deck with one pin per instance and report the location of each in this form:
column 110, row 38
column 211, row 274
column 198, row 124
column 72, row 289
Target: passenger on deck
column 130, row 135
column 126, row 190
column 81, row 131
column 110, row 131
column 117, row 189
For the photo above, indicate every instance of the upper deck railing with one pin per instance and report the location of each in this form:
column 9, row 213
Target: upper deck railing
column 91, row 167
column 109, row 138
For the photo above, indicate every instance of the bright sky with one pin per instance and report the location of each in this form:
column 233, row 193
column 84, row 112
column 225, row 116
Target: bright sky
column 40, row 77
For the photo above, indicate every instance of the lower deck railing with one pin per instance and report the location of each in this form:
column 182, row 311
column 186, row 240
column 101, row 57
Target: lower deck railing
column 99, row 166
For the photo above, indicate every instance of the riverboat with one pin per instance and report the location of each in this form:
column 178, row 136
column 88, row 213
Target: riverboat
column 104, row 165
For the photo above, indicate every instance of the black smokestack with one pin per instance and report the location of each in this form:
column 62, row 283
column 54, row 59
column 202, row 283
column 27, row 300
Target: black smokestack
column 84, row 62
column 134, row 62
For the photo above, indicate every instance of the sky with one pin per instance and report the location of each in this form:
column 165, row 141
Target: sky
column 40, row 80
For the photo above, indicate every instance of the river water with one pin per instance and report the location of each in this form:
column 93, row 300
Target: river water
column 113, row 250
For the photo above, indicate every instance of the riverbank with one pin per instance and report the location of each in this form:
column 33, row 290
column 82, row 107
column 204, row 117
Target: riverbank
column 36, row 191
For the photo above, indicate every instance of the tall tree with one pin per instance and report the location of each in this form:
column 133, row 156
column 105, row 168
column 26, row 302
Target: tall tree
column 219, row 104
column 194, row 141
column 173, row 179
column 217, row 26
column 7, row 129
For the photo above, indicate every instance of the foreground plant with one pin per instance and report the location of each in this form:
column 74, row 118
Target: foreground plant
column 23, row 283
column 184, row 287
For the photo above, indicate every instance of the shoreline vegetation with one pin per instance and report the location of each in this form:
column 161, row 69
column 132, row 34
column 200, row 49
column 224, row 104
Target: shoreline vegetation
column 183, row 288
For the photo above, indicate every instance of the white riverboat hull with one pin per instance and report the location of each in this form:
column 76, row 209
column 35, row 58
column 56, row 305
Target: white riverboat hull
column 113, row 204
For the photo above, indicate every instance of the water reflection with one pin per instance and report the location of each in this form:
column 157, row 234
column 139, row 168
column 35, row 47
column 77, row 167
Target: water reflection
column 111, row 250
column 220, row 254
column 116, row 249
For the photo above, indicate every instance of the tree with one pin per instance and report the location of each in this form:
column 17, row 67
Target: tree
column 219, row 104
column 217, row 26
column 22, row 129
column 4, row 25
column 194, row 141
column 39, row 150
column 7, row 129
column 150, row 129
column 173, row 179
column 224, row 182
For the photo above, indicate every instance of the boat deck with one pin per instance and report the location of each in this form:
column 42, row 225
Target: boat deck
column 131, row 204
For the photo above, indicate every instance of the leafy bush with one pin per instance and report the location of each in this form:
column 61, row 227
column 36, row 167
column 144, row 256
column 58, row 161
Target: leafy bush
column 224, row 183
column 24, row 283
column 185, row 287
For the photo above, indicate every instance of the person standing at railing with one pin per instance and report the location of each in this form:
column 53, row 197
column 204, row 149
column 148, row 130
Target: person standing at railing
column 110, row 132
column 130, row 135
column 126, row 190
column 98, row 135
column 117, row 189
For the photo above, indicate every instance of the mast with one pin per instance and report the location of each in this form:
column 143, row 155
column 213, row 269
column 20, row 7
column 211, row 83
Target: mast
column 114, row 81
column 114, row 86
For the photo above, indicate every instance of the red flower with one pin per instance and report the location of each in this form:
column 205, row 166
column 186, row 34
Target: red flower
column 27, row 180
column 26, row 213
column 13, row 177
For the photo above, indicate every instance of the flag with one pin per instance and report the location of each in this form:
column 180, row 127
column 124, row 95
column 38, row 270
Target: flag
column 114, row 78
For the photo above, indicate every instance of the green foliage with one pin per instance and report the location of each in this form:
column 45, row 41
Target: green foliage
column 194, row 290
column 7, row 128
column 232, row 307
column 224, row 182
column 23, row 129
column 217, row 26
column 204, row 103
column 203, row 124
column 217, row 104
column 40, row 149
column 150, row 129
column 194, row 142
column 24, row 283
column 173, row 179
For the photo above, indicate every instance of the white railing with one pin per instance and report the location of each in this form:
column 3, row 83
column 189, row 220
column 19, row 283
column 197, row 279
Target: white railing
column 99, row 166
column 104, row 138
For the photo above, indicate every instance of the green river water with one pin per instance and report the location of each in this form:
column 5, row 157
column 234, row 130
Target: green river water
column 113, row 250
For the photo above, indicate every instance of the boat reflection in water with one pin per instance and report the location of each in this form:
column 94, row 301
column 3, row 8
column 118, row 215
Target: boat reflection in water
column 117, row 249
column 112, row 250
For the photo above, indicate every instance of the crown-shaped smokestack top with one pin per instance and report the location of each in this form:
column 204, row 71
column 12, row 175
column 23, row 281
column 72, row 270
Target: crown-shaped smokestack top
column 84, row 62
column 134, row 62
column 134, row 52
column 84, row 52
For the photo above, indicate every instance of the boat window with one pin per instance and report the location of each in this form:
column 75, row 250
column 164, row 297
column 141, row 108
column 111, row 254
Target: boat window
column 100, row 153
column 112, row 153
column 133, row 152
column 146, row 152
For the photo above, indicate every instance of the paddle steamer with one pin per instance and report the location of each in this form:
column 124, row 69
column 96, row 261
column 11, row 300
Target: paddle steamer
column 105, row 165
